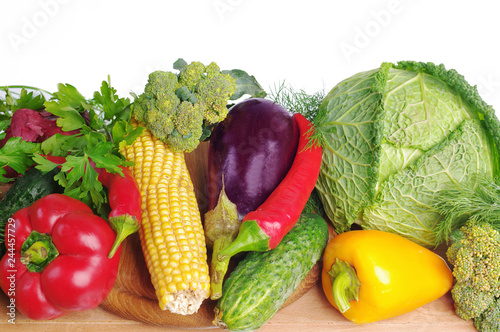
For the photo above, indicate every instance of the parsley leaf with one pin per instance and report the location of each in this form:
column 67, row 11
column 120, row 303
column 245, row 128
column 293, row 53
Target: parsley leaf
column 43, row 164
column 80, row 181
column 104, row 128
column 16, row 153
column 11, row 101
column 69, row 118
column 112, row 106
column 30, row 100
column 4, row 124
column 69, row 94
column 124, row 133
column 101, row 154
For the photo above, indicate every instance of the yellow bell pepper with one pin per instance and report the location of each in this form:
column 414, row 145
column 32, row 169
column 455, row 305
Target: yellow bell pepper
column 370, row 275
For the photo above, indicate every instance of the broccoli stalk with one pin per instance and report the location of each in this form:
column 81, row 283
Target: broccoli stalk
column 177, row 108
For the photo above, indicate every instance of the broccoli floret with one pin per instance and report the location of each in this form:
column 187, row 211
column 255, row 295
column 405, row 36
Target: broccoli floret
column 213, row 93
column 212, row 70
column 489, row 320
column 191, row 74
column 177, row 107
column 475, row 257
column 159, row 95
column 160, row 82
column 469, row 301
column 189, row 127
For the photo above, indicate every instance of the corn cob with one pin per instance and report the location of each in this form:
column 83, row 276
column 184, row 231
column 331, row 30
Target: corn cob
column 171, row 233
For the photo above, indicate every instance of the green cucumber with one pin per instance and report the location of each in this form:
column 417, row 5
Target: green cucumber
column 28, row 188
column 262, row 281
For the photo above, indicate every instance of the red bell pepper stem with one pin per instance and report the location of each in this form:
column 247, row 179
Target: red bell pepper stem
column 263, row 229
column 38, row 251
column 124, row 199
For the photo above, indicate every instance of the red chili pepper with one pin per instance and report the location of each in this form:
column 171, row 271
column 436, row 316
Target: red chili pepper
column 58, row 259
column 263, row 229
column 124, row 199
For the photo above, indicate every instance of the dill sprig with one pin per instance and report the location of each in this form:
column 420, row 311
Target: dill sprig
column 478, row 200
column 297, row 101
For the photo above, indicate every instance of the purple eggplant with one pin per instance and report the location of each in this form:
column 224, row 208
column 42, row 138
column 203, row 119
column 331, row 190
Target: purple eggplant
column 252, row 150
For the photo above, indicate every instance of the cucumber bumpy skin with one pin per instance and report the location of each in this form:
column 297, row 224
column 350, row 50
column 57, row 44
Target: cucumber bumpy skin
column 263, row 281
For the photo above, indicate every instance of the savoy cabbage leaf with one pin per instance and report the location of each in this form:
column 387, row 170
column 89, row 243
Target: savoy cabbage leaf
column 395, row 136
column 404, row 202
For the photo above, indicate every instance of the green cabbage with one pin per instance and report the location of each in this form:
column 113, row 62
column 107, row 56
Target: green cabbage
column 394, row 137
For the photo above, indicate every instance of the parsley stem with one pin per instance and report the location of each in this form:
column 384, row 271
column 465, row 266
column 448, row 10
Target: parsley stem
column 27, row 88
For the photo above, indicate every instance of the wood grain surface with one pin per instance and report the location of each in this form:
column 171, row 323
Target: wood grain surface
column 132, row 305
column 311, row 312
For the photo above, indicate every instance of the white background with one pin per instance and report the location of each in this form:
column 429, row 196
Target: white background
column 311, row 45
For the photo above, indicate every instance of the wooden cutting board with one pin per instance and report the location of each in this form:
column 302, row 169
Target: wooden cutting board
column 133, row 295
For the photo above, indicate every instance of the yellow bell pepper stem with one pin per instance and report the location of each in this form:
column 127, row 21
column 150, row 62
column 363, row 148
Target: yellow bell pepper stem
column 345, row 284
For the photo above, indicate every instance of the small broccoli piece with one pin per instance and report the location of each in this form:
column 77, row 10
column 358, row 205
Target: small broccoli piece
column 140, row 105
column 160, row 82
column 470, row 302
column 177, row 107
column 191, row 74
column 189, row 119
column 489, row 320
column 188, row 127
column 475, row 256
column 183, row 143
column 158, row 103
column 212, row 70
column 213, row 92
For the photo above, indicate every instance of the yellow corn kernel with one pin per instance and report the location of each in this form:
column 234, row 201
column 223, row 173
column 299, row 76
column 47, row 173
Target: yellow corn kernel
column 171, row 233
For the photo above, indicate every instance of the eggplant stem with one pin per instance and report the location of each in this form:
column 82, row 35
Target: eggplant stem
column 219, row 268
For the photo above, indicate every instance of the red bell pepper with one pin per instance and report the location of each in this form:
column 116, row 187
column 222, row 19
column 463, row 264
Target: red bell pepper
column 124, row 198
column 264, row 228
column 57, row 261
